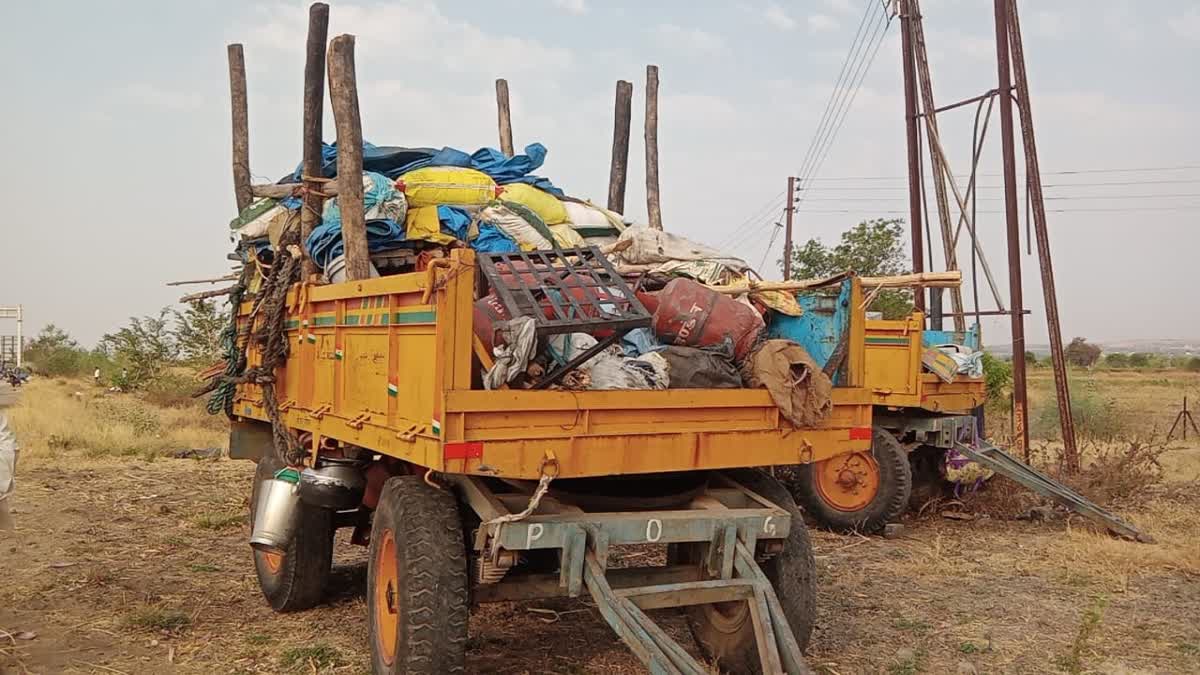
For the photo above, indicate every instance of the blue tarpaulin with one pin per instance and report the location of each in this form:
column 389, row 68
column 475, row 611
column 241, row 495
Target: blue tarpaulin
column 325, row 242
column 394, row 161
column 492, row 239
column 454, row 221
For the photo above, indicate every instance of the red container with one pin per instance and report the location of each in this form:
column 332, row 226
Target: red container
column 693, row 315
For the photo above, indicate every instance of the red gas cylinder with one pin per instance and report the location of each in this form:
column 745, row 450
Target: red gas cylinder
column 691, row 314
column 488, row 312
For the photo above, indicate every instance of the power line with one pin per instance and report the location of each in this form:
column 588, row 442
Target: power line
column 1000, row 199
column 837, row 89
column 839, row 188
column 879, row 29
column 1189, row 208
column 756, row 218
column 1065, row 172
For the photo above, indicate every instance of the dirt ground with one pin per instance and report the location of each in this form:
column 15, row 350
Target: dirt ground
column 126, row 565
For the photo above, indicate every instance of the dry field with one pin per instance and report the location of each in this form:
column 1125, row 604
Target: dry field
column 128, row 560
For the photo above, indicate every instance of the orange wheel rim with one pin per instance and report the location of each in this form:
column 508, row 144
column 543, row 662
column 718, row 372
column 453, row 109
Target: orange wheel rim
column 387, row 613
column 847, row 482
column 273, row 561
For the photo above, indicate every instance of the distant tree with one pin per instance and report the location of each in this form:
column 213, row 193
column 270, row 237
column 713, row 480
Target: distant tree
column 871, row 248
column 1140, row 360
column 143, row 349
column 1116, row 360
column 1031, row 360
column 1192, row 364
column 54, row 352
column 198, row 332
column 1082, row 353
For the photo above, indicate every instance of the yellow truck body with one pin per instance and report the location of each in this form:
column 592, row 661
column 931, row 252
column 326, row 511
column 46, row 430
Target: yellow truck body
column 387, row 364
column 895, row 378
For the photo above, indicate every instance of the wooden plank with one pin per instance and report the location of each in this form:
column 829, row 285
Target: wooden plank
column 622, row 115
column 314, row 104
column 343, row 94
column 688, row 593
column 505, row 117
column 653, row 204
column 241, row 126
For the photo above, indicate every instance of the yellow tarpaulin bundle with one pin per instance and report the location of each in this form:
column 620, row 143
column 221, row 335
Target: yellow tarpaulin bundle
column 780, row 301
column 566, row 236
column 449, row 185
column 423, row 223
column 544, row 204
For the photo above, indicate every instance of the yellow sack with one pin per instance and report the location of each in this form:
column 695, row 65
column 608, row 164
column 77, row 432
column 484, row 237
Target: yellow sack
column 566, row 236
column 450, row 185
column 780, row 301
column 423, row 223
column 544, row 204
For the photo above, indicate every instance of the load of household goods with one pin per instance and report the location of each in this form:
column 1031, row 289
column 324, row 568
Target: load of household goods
column 572, row 295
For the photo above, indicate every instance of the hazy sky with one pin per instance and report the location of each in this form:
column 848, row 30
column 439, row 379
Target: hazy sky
column 117, row 129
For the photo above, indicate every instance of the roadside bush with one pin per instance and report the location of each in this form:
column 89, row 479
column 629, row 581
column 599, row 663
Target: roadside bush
column 1095, row 416
column 1119, row 471
column 1192, row 364
column 997, row 376
column 170, row 390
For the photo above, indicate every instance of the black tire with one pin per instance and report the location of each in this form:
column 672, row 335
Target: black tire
column 428, row 594
column 928, row 484
column 297, row 580
column 727, row 634
column 890, row 499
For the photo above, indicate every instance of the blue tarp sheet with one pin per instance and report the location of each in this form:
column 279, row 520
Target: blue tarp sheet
column 492, row 239
column 394, row 161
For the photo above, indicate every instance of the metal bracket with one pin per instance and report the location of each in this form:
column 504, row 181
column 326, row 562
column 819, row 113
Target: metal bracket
column 320, row 411
column 358, row 421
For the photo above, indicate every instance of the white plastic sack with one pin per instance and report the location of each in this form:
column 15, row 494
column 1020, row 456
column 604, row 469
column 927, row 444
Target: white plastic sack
column 970, row 363
column 590, row 215
column 645, row 246
column 516, row 227
column 610, row 370
column 512, row 357
column 8, row 469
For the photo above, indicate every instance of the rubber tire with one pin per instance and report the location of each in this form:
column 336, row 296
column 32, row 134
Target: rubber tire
column 300, row 582
column 792, row 572
column 895, row 489
column 432, row 578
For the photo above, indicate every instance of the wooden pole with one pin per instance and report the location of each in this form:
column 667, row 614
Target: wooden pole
column 506, row 142
column 914, row 169
column 653, row 204
column 314, row 104
column 622, row 115
column 343, row 95
column 787, row 235
column 241, row 126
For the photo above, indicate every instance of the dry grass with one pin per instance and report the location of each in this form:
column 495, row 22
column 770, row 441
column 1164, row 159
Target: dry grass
column 59, row 419
column 142, row 566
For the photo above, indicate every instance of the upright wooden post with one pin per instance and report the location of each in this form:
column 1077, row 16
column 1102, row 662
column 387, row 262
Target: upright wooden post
column 653, row 204
column 314, row 103
column 506, row 142
column 622, row 115
column 343, row 95
column 241, row 127
column 790, row 210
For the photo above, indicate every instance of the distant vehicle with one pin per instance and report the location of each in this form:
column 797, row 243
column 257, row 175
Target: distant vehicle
column 14, row 376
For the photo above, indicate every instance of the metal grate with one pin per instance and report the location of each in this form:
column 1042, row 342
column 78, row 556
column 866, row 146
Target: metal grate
column 570, row 290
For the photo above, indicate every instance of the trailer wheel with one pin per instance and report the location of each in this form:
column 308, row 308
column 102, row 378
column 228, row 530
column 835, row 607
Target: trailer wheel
column 294, row 580
column 859, row 491
column 724, row 630
column 417, row 581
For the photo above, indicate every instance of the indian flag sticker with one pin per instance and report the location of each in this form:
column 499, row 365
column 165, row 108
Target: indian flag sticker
column 393, row 390
column 304, row 322
column 437, row 428
column 312, row 338
column 337, row 354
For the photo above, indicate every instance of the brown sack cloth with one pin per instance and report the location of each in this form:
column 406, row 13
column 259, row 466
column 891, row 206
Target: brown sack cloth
column 795, row 381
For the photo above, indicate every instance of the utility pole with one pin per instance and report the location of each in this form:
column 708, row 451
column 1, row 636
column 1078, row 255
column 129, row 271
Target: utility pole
column 937, row 168
column 1020, row 404
column 1033, row 175
column 914, row 165
column 790, row 209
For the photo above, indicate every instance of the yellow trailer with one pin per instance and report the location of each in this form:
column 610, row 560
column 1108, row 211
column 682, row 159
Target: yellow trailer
column 916, row 419
column 514, row 494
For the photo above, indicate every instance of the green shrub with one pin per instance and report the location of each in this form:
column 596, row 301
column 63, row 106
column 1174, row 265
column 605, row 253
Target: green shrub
column 997, row 375
column 170, row 390
column 1095, row 416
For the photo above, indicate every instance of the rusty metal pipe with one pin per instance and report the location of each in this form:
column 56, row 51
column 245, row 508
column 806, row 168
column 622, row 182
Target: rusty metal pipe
column 1012, row 221
column 1034, row 194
